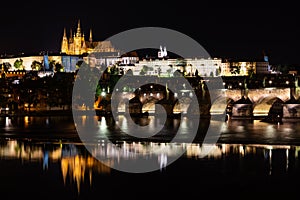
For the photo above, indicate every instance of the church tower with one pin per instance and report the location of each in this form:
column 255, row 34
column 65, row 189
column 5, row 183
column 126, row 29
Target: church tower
column 77, row 45
column 64, row 44
column 83, row 46
column 78, row 40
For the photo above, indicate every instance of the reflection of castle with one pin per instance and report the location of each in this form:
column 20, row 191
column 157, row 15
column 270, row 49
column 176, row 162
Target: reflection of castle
column 77, row 45
column 76, row 167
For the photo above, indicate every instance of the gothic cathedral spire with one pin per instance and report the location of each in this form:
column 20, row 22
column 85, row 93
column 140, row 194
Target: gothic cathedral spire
column 64, row 44
column 78, row 34
column 78, row 41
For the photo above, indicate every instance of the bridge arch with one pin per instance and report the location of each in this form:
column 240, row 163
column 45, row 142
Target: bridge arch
column 122, row 107
column 263, row 105
column 220, row 104
column 149, row 104
column 122, row 99
column 182, row 105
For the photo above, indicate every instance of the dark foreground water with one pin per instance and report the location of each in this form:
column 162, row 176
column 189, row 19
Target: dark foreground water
column 44, row 158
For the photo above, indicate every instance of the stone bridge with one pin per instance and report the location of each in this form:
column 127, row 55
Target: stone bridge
column 261, row 100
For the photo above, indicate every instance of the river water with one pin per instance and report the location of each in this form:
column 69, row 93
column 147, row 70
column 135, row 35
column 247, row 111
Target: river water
column 47, row 157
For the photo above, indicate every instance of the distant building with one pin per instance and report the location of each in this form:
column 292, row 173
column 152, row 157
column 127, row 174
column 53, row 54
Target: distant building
column 225, row 69
column 162, row 53
column 69, row 62
column 77, row 45
column 166, row 67
column 207, row 67
column 263, row 67
column 244, row 67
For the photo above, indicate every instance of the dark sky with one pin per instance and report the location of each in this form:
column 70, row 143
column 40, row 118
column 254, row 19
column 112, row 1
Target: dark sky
column 228, row 31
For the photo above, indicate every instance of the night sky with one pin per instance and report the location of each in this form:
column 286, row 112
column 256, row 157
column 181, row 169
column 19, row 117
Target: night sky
column 227, row 31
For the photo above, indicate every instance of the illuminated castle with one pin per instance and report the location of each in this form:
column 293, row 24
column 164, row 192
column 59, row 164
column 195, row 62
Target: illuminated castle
column 77, row 45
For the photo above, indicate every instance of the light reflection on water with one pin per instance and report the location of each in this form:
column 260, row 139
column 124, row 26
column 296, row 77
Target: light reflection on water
column 78, row 167
column 245, row 149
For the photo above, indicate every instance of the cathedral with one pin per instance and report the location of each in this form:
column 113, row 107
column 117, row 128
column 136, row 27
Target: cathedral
column 77, row 45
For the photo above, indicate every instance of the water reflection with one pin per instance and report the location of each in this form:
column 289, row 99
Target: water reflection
column 78, row 167
column 38, row 127
column 75, row 162
column 92, row 128
column 256, row 131
column 245, row 149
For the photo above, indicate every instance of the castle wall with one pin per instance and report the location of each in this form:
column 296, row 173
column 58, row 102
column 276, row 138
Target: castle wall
column 27, row 61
